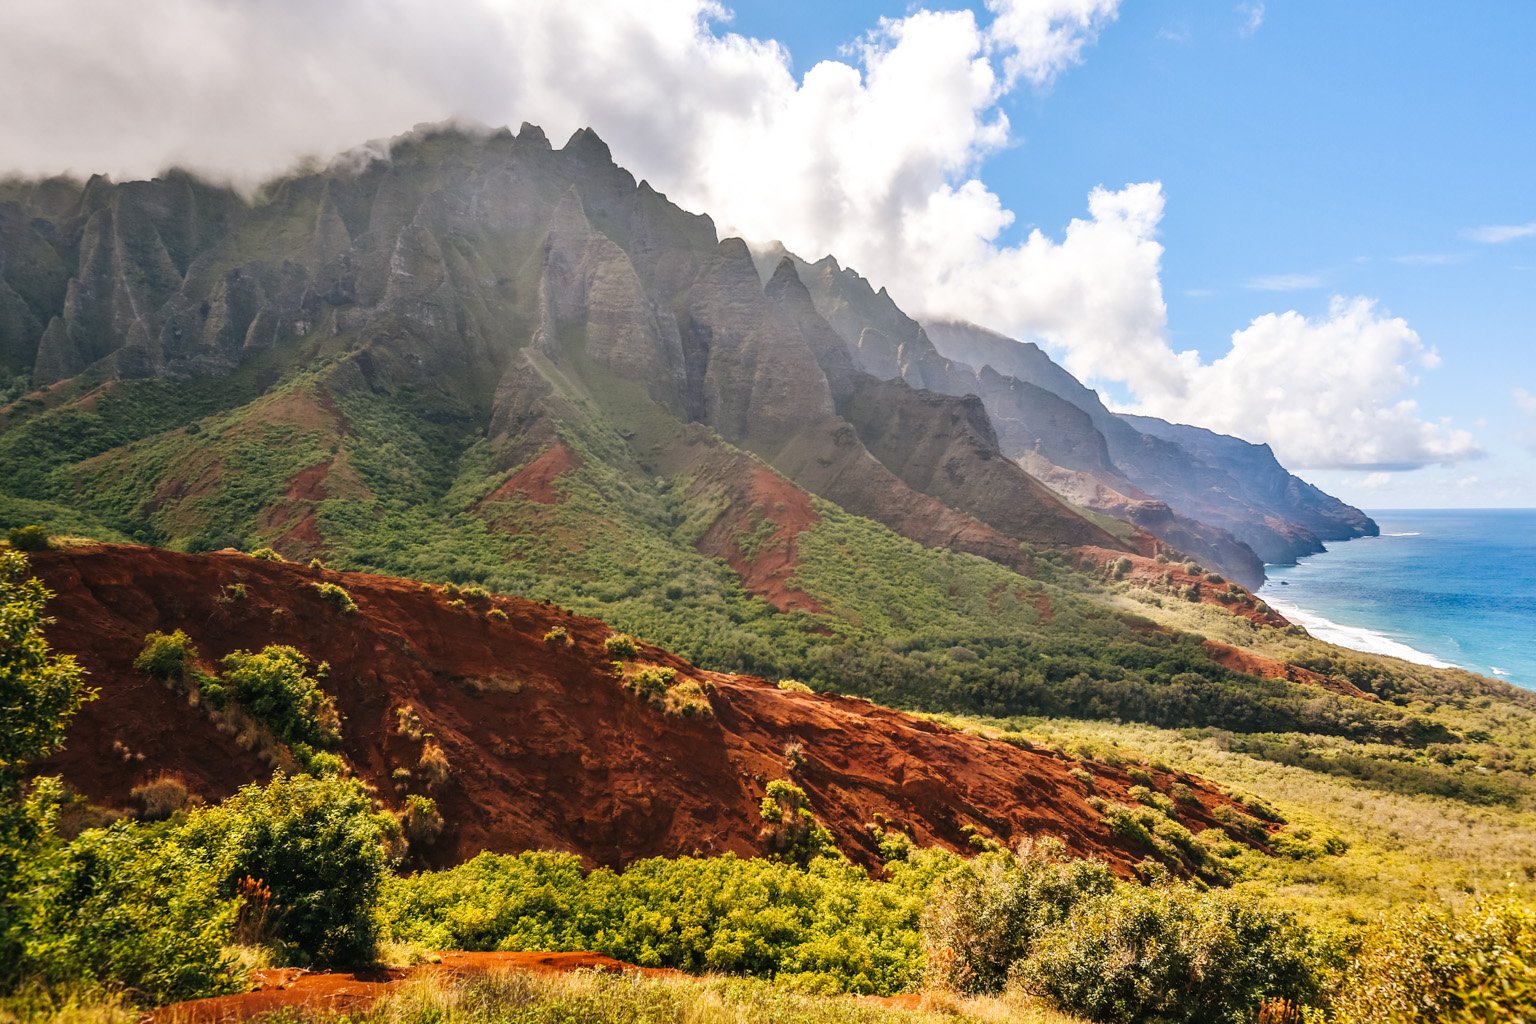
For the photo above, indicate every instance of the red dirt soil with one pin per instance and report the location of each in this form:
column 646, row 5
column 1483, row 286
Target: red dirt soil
column 1239, row 660
column 536, row 479
column 547, row 751
column 327, row 993
column 758, row 493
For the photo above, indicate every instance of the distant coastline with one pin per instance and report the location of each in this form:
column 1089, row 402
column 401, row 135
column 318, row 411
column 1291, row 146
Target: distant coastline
column 1451, row 588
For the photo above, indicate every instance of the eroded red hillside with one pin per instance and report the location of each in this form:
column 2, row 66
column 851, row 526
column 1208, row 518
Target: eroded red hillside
column 546, row 750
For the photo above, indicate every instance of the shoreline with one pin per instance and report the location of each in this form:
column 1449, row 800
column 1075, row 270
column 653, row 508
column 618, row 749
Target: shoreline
column 1356, row 638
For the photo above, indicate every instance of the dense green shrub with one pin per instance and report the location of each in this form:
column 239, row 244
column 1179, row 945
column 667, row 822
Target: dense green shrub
column 338, row 596
column 1168, row 953
column 40, row 691
column 276, row 687
column 127, row 908
column 985, row 918
column 828, row 927
column 620, row 646
column 1432, row 965
column 420, row 820
column 28, row 538
column 791, row 832
column 319, row 847
column 167, row 655
column 557, row 636
column 268, row 555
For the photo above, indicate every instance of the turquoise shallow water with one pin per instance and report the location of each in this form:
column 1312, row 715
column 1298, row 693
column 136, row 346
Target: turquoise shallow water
column 1450, row 587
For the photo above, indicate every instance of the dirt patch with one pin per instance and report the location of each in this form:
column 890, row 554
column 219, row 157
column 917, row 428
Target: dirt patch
column 293, row 519
column 535, row 481
column 340, row 992
column 566, row 759
column 1239, row 660
column 756, row 533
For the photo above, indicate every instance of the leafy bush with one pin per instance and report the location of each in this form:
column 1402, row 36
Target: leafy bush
column 40, row 691
column 126, row 907
column 794, row 686
column 268, row 555
column 651, row 684
column 620, row 646
column 558, row 637
column 318, row 845
column 28, row 538
column 985, row 917
column 828, row 927
column 337, row 595
column 167, row 655
column 688, row 699
column 1168, row 953
column 276, row 687
column 792, row 833
column 1432, row 965
column 420, row 820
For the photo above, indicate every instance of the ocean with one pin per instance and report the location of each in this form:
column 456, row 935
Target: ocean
column 1440, row 587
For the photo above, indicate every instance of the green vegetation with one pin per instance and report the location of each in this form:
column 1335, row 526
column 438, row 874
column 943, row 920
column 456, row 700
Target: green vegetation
column 826, row 927
column 620, row 646
column 318, row 845
column 28, row 538
column 40, row 692
column 791, row 832
column 338, row 596
column 1425, row 796
column 169, row 656
column 1430, row 965
column 273, row 687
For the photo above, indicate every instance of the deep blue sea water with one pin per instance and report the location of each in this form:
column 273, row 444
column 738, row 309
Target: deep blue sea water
column 1445, row 587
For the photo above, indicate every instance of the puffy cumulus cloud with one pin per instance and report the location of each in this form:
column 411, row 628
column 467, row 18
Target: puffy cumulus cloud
column 1326, row 393
column 1094, row 296
column 875, row 158
column 1039, row 40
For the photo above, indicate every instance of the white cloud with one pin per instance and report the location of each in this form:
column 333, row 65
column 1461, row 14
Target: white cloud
column 1284, row 283
column 1253, row 17
column 1525, row 400
column 1496, row 234
column 874, row 158
column 1376, row 480
column 1042, row 38
column 1325, row 393
column 1431, row 259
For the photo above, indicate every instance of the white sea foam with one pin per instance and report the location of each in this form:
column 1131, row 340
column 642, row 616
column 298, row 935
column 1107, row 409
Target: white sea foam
column 1402, row 535
column 1356, row 638
column 1497, row 671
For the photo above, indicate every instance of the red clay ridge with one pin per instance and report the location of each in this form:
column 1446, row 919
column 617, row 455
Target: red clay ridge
column 546, row 750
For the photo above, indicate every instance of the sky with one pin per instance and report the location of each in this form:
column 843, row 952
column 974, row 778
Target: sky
column 1307, row 223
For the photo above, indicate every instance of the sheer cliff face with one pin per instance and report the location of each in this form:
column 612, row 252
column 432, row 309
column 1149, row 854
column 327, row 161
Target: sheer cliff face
column 1219, row 499
column 1212, row 477
column 499, row 281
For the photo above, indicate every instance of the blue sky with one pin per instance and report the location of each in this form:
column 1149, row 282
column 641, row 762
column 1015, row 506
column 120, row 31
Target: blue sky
column 1332, row 149
column 1310, row 223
